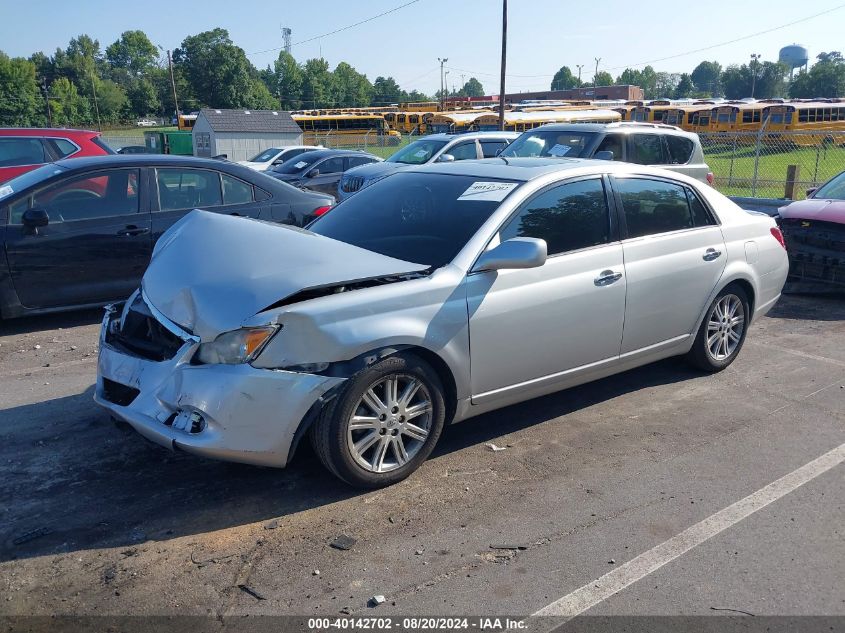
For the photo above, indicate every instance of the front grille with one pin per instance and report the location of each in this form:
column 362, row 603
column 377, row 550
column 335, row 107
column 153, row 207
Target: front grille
column 142, row 335
column 816, row 250
column 118, row 393
column 351, row 184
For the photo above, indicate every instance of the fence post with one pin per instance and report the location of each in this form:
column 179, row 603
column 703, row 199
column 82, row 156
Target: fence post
column 816, row 173
column 756, row 164
column 731, row 169
column 793, row 175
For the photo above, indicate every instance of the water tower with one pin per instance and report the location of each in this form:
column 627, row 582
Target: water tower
column 794, row 56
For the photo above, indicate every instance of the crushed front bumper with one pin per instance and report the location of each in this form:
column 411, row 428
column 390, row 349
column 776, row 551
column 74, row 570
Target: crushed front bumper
column 229, row 412
column 816, row 254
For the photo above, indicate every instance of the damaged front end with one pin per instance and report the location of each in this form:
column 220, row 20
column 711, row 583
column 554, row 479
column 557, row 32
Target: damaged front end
column 149, row 377
column 816, row 251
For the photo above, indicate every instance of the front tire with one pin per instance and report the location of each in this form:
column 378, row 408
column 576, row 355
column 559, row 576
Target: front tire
column 722, row 333
column 383, row 424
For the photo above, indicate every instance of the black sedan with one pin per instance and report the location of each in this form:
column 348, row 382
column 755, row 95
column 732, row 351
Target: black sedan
column 320, row 169
column 80, row 232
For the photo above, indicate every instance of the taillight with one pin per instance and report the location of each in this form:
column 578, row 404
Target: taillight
column 778, row 236
column 709, row 177
column 321, row 211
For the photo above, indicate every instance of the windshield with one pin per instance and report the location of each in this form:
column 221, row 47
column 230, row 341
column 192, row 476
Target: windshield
column 422, row 218
column 267, row 154
column 296, row 165
column 833, row 190
column 28, row 179
column 417, row 152
column 550, row 143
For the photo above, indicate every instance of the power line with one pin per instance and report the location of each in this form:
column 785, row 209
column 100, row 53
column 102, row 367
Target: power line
column 345, row 28
column 697, row 50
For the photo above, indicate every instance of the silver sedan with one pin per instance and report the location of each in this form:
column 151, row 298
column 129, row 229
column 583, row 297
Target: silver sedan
column 431, row 297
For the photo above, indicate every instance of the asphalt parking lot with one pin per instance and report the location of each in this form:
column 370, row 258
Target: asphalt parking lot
column 600, row 478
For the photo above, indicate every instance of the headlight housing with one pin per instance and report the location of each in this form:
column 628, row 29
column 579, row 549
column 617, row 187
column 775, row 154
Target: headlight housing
column 235, row 347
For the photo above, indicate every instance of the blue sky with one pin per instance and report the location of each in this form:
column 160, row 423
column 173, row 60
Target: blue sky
column 543, row 34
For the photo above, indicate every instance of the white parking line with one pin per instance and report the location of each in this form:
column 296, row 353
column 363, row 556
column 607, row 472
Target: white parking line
column 627, row 574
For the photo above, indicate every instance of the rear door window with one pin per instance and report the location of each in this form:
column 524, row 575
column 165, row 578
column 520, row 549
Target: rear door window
column 61, row 147
column 645, row 149
column 331, row 166
column 235, row 191
column 679, row 149
column 654, row 206
column 21, row 151
column 188, row 188
column 357, row 161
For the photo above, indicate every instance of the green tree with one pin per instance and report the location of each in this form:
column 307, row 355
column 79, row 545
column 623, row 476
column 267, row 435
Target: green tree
column 648, row 82
column 351, row 88
column 143, row 99
column 386, row 91
column 826, row 78
column 706, row 78
column 133, row 51
column 217, row 71
column 288, row 80
column 685, row 87
column 472, row 88
column 112, row 101
column 317, row 84
column 564, row 79
column 416, row 95
column 20, row 98
column 69, row 107
column 603, row 78
column 666, row 84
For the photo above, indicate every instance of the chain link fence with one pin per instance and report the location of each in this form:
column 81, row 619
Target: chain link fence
column 381, row 145
column 117, row 142
column 773, row 165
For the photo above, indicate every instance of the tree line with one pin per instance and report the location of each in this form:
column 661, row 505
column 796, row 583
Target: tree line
column 765, row 79
column 83, row 84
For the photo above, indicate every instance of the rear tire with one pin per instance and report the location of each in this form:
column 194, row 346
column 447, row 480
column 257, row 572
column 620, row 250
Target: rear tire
column 722, row 333
column 383, row 424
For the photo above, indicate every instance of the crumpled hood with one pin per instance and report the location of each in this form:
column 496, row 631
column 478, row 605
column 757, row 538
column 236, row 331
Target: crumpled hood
column 210, row 272
column 815, row 209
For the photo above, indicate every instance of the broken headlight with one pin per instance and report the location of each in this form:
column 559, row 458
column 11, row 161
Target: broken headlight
column 235, row 347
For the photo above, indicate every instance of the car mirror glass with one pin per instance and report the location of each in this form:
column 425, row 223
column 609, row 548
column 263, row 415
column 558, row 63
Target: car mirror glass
column 445, row 158
column 35, row 217
column 605, row 154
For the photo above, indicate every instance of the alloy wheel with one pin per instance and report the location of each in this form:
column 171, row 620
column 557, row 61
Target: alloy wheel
column 725, row 326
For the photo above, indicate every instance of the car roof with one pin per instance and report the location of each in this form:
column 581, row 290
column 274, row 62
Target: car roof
column 616, row 126
column 45, row 131
column 525, row 169
column 118, row 160
column 442, row 136
column 323, row 153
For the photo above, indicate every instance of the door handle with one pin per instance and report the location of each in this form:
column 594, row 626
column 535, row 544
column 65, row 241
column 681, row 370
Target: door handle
column 710, row 254
column 607, row 277
column 132, row 230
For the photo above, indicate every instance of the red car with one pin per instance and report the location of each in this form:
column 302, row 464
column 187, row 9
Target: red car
column 23, row 149
column 814, row 230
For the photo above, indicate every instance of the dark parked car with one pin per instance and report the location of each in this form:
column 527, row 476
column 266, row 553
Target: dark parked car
column 81, row 232
column 133, row 149
column 320, row 170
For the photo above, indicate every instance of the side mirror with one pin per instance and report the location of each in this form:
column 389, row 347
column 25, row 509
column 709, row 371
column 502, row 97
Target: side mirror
column 445, row 158
column 313, row 173
column 35, row 218
column 605, row 154
column 811, row 191
column 518, row 252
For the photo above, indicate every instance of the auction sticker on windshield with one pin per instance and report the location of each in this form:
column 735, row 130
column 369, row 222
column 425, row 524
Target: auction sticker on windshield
column 300, row 164
column 6, row 190
column 488, row 191
column 560, row 150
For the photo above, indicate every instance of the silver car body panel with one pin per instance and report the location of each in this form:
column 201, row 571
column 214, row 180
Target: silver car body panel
column 497, row 337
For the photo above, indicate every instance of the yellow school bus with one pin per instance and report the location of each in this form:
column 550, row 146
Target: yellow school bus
column 651, row 112
column 420, row 106
column 814, row 120
column 521, row 121
column 186, row 121
column 455, row 122
column 409, row 122
column 685, row 116
column 346, row 129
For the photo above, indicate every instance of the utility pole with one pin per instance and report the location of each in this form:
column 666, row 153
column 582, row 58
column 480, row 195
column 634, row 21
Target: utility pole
column 596, row 76
column 754, row 58
column 504, row 63
column 47, row 102
column 173, row 85
column 442, row 81
column 96, row 105
column 579, row 67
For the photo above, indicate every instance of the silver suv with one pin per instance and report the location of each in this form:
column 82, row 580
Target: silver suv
column 433, row 148
column 653, row 144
